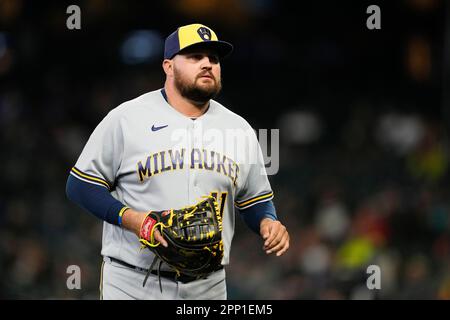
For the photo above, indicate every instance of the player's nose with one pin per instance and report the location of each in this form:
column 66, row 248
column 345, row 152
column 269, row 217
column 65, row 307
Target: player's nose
column 206, row 63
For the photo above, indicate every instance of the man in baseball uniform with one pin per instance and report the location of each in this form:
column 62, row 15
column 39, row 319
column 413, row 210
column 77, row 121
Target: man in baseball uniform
column 167, row 149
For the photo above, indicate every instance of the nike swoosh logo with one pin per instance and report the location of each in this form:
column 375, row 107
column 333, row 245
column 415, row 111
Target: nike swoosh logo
column 158, row 128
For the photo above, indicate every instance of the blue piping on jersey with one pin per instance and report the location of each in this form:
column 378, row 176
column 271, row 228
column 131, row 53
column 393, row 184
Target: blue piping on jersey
column 164, row 94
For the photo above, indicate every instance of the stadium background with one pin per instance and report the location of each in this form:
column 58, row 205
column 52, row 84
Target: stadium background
column 362, row 117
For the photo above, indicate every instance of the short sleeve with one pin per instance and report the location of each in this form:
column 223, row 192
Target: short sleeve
column 102, row 155
column 256, row 187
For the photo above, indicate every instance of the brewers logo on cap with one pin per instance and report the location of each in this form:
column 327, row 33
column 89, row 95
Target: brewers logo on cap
column 204, row 33
column 195, row 34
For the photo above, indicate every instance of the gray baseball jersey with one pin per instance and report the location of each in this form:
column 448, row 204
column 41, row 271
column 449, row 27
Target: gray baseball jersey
column 153, row 157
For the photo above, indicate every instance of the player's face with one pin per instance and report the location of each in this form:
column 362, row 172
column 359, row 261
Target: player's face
column 197, row 74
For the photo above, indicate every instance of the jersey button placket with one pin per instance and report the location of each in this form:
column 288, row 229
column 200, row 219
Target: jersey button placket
column 195, row 145
column 191, row 175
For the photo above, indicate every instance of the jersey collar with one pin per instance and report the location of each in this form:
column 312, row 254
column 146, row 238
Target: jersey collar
column 207, row 111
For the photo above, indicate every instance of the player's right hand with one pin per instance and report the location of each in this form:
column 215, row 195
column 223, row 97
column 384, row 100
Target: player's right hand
column 134, row 221
column 158, row 237
column 146, row 231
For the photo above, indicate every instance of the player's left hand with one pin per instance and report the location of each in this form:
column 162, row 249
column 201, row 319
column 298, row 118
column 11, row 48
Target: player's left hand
column 275, row 235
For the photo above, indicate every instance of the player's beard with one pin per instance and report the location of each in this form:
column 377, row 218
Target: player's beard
column 196, row 93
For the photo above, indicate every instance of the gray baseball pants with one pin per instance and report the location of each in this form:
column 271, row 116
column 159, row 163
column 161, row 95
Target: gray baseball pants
column 119, row 282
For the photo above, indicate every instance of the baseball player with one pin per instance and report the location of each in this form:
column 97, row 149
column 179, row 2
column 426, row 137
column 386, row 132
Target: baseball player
column 161, row 150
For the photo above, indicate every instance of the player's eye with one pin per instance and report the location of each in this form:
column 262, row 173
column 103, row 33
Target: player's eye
column 196, row 57
column 214, row 59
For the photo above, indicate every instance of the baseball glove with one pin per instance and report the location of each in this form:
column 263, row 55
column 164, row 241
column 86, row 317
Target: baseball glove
column 193, row 234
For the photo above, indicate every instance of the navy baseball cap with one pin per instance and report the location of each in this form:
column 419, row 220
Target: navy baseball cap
column 195, row 35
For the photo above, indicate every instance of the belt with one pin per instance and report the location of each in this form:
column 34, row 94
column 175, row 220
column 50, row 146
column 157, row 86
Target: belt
column 165, row 274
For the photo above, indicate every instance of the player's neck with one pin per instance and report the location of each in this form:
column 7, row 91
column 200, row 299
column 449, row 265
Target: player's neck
column 185, row 106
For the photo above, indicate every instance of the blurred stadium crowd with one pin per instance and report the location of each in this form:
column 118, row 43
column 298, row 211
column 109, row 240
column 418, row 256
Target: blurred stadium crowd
column 364, row 173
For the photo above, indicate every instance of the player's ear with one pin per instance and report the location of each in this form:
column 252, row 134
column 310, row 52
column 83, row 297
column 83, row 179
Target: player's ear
column 168, row 67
